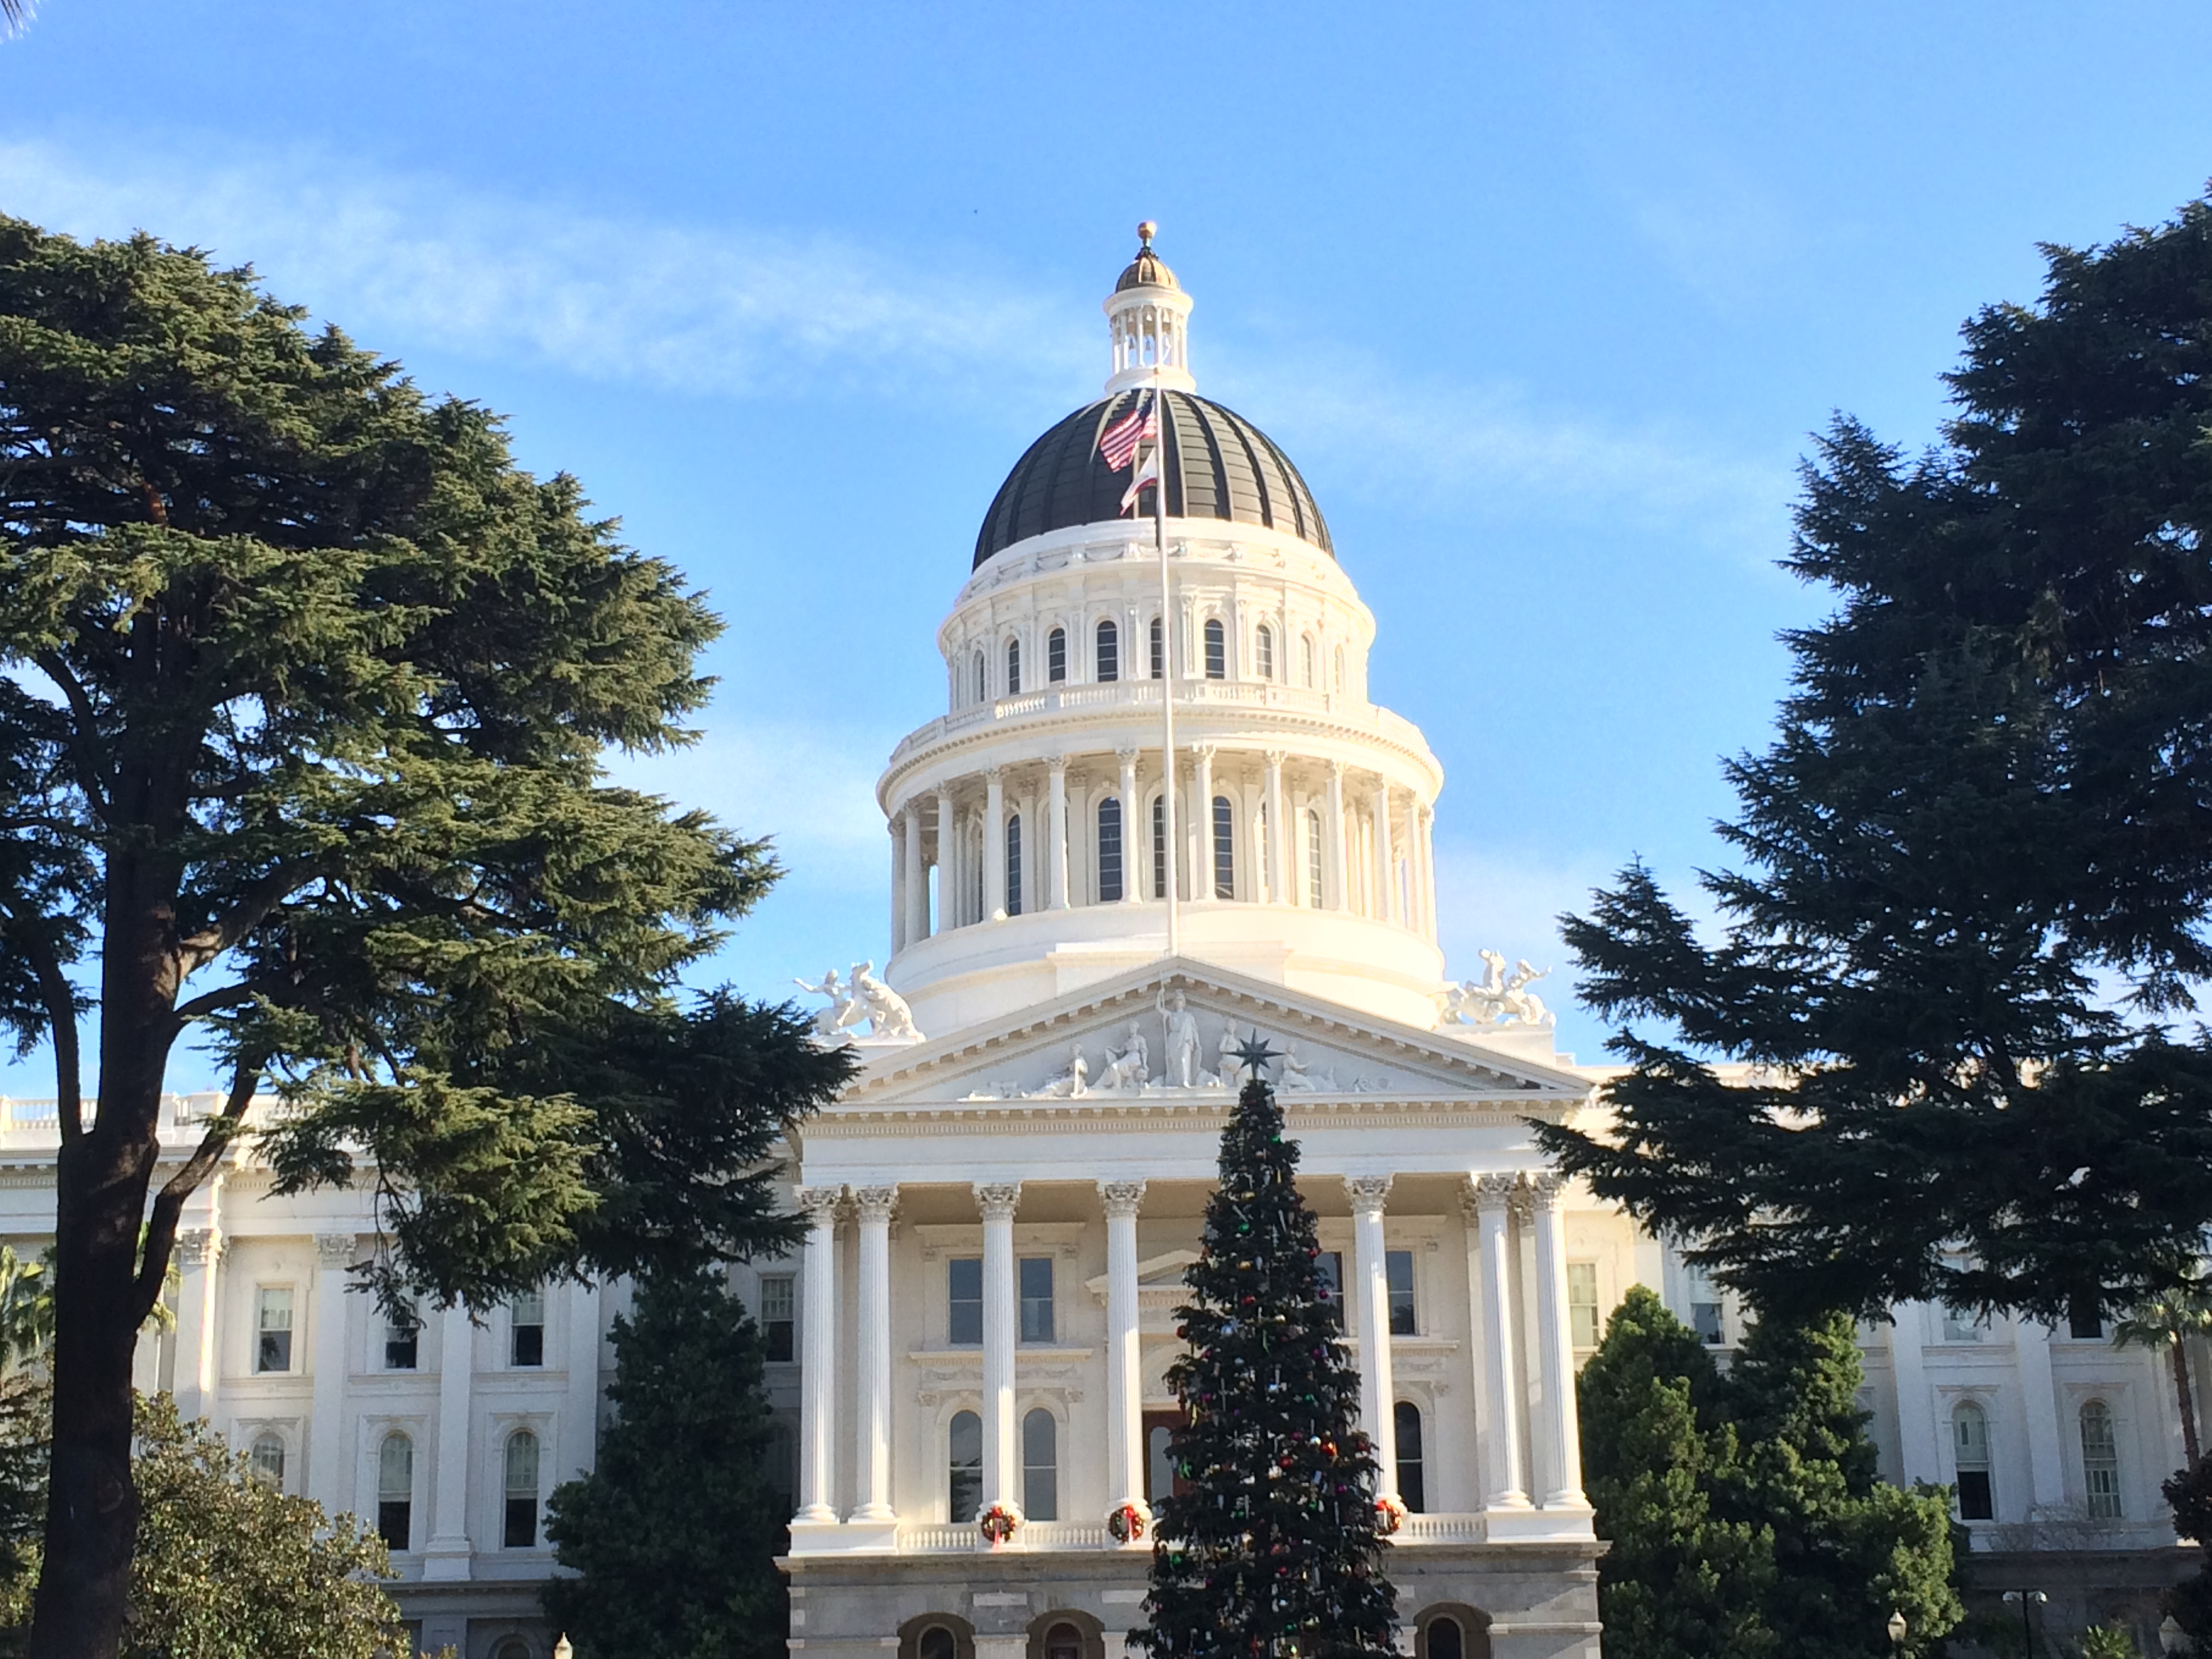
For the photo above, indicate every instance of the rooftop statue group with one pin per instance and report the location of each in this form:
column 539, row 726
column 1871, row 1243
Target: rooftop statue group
column 864, row 998
column 1496, row 999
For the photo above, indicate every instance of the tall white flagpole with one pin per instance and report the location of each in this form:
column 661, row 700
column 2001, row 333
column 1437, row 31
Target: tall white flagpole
column 1167, row 670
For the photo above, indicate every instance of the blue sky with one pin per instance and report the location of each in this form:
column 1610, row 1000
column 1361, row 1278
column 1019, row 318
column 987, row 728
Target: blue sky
column 1544, row 300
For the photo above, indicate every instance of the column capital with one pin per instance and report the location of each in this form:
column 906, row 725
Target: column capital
column 335, row 1249
column 998, row 1200
column 1056, row 764
column 1128, row 756
column 912, row 812
column 1488, row 1192
column 1367, row 1191
column 875, row 1203
column 1121, row 1198
column 1543, row 1191
column 1205, row 751
column 819, row 1203
column 1336, row 769
column 995, row 775
column 197, row 1247
column 1275, row 757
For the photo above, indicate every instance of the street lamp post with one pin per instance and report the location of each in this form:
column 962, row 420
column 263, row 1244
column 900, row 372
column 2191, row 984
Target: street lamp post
column 2026, row 1598
column 1896, row 1628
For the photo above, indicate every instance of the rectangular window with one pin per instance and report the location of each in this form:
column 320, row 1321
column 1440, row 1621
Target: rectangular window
column 1581, row 1303
column 1329, row 1267
column 1705, row 1320
column 1160, row 848
column 402, row 1341
column 1055, row 656
column 1974, row 1499
column 1398, row 1273
column 273, row 1329
column 1110, row 851
column 525, row 1329
column 1225, row 849
column 2085, row 1321
column 1156, row 651
column 1109, row 653
column 778, row 1316
column 1961, row 1326
column 1037, row 1298
column 963, row 1323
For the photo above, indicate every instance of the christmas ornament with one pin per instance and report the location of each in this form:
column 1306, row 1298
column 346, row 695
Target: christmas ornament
column 998, row 1521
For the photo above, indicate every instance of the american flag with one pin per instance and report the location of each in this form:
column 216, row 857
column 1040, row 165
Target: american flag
column 1118, row 442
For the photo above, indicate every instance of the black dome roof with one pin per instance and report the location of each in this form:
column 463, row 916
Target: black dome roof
column 1220, row 466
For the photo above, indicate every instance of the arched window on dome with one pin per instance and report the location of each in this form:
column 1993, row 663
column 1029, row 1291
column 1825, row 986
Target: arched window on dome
column 963, row 1474
column 2100, row 1460
column 1306, row 660
column 1225, row 849
column 1014, row 865
column 1109, row 652
column 1263, row 652
column 1040, row 1465
column 1340, row 668
column 1013, row 668
column 1159, row 846
column 982, row 681
column 1159, row 643
column 1110, row 850
column 1970, row 1441
column 1055, row 656
column 1313, row 859
column 1216, row 650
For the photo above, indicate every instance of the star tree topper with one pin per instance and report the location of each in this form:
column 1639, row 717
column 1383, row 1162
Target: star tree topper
column 1253, row 1054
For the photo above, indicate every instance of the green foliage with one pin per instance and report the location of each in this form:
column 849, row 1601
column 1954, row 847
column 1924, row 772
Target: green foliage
column 2188, row 1492
column 674, row 1533
column 1743, row 1511
column 1983, row 812
column 226, row 1568
column 2108, row 1642
column 1273, row 1548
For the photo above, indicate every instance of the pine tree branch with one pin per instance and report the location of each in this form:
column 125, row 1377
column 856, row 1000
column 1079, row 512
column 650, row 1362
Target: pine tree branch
column 169, row 1203
column 84, row 734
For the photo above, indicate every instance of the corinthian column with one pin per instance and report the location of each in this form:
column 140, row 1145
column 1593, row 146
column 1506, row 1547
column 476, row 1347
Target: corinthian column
column 1279, row 874
column 1125, row 1385
column 1488, row 1200
column 326, row 1467
column 1001, row 1467
column 994, row 844
column 1201, row 868
column 1376, row 1389
column 1386, row 873
column 1133, row 845
column 1336, row 886
column 872, row 1454
column 1560, row 1441
column 896, row 827
column 819, row 1375
column 948, row 864
column 1055, row 839
column 198, row 1255
column 917, row 879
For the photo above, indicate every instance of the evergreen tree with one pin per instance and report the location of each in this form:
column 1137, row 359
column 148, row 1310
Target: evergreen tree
column 305, row 690
column 1983, row 814
column 1743, row 1512
column 673, row 1534
column 1274, row 1547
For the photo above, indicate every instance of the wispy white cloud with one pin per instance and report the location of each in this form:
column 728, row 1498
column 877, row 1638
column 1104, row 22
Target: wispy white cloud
column 694, row 309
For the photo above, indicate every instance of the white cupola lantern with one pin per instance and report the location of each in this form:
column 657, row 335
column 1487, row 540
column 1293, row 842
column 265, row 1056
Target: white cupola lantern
column 1148, row 315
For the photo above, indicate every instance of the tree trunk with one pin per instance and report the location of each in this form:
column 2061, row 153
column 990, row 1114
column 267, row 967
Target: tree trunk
column 2183, row 1396
column 102, row 1177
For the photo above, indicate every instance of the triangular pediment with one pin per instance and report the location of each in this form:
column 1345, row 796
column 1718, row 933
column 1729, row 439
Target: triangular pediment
column 1164, row 1036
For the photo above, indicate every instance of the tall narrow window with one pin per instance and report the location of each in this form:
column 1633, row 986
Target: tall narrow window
column 1406, row 1418
column 1583, row 1319
column 1313, row 859
column 1225, row 849
column 1013, row 668
column 963, row 1471
column 273, row 1346
column 402, row 1339
column 1158, row 650
column 1398, row 1274
column 2101, row 1461
column 1969, row 1440
column 1109, row 652
column 1110, row 850
column 1160, row 847
column 1037, row 1298
column 1263, row 652
column 982, row 683
column 395, row 1491
column 1040, row 1465
column 1328, row 1268
column 964, row 1308
column 268, row 1461
column 1055, row 655
column 519, row 1515
column 779, row 1318
column 1306, row 660
column 1445, row 1639
column 525, row 1329
column 1014, row 865
column 1340, row 668
column 1216, row 650
column 2085, row 1320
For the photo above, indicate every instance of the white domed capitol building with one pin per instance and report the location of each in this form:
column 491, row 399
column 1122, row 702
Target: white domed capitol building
column 1157, row 813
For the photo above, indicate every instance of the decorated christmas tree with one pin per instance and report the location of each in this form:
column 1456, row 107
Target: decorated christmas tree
column 1272, row 1542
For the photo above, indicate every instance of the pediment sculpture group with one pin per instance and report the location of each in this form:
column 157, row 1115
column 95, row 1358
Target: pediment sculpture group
column 864, row 998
